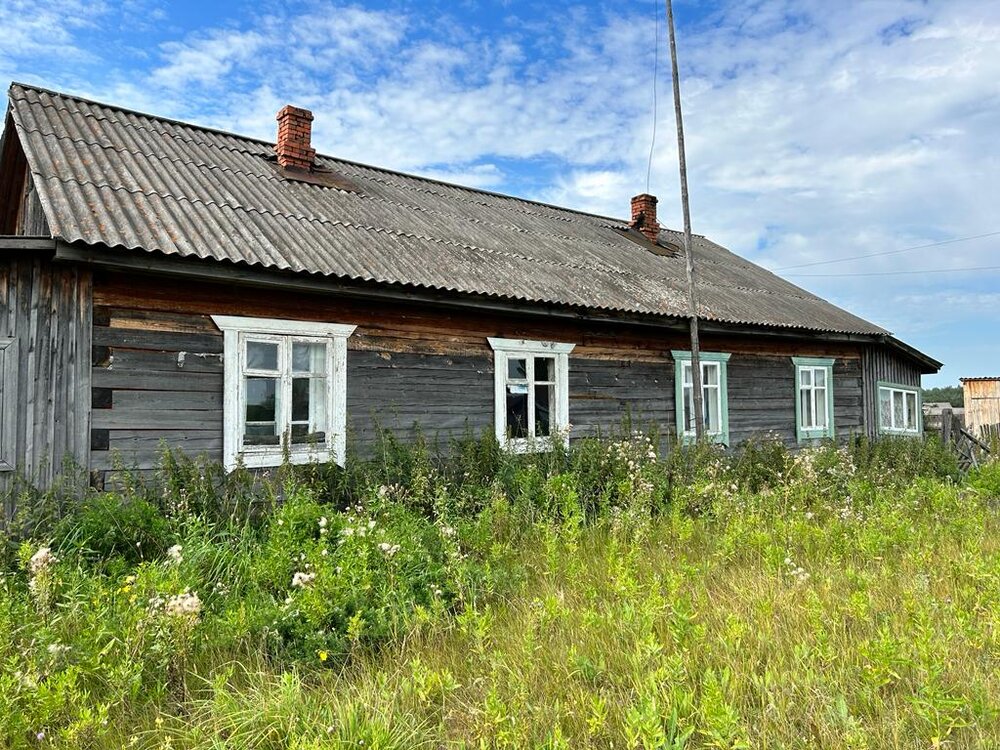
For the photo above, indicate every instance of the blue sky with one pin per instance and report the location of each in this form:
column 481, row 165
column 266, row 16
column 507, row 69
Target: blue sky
column 817, row 131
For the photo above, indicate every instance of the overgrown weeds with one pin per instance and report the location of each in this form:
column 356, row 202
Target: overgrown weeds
column 841, row 597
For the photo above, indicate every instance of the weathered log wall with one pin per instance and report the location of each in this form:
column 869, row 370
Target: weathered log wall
column 879, row 363
column 46, row 309
column 157, row 377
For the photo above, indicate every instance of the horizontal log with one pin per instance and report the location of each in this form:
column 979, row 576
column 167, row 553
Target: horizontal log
column 167, row 400
column 155, row 381
column 114, row 419
column 157, row 340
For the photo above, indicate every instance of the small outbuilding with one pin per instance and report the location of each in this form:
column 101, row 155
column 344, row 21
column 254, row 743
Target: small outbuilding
column 982, row 407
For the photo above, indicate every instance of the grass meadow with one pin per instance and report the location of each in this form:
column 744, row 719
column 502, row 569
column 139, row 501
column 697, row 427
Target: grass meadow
column 609, row 597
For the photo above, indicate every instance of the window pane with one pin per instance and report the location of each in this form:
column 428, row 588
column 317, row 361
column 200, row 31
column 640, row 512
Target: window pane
column 885, row 406
column 262, row 355
column 688, row 416
column 545, row 369
column 911, row 411
column 897, row 409
column 544, row 399
column 309, row 358
column 300, row 400
column 261, row 399
column 805, row 376
column 710, row 374
column 805, row 407
column 517, row 411
column 711, row 406
column 516, row 369
column 821, row 415
column 820, row 377
column 686, row 372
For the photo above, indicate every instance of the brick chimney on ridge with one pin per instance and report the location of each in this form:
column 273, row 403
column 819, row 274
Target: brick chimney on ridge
column 294, row 147
column 644, row 216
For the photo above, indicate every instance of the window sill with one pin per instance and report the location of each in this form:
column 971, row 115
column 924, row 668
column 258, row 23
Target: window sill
column 527, row 445
column 253, row 457
column 688, row 438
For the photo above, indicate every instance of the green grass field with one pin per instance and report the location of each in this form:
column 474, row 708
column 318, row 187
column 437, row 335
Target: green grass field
column 769, row 601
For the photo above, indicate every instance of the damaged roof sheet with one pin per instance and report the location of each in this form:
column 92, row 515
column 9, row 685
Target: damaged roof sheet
column 108, row 176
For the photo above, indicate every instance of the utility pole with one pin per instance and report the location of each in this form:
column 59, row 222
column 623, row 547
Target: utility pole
column 699, row 414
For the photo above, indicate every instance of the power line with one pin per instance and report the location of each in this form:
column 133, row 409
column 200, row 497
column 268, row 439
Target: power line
column 890, row 252
column 891, row 273
column 656, row 61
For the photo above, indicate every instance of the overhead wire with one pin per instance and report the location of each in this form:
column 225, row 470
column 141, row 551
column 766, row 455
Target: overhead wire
column 656, row 61
column 888, row 252
column 891, row 273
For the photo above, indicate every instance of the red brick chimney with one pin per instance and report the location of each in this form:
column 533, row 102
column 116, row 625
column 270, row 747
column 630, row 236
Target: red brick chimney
column 644, row 216
column 294, row 147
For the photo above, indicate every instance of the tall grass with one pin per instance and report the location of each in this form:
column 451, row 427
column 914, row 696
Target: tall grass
column 605, row 597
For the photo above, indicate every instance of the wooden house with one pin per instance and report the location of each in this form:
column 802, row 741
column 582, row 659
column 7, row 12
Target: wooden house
column 161, row 281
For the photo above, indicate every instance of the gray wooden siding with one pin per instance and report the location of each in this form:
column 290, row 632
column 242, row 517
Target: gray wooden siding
column 879, row 363
column 602, row 393
column 762, row 397
column 47, row 309
column 154, row 386
column 445, row 396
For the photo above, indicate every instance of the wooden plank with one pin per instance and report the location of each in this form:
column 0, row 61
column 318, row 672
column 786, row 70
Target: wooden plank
column 168, row 362
column 114, row 419
column 167, row 400
column 155, row 381
column 157, row 340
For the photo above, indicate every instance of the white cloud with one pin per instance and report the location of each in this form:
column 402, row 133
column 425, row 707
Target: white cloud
column 816, row 130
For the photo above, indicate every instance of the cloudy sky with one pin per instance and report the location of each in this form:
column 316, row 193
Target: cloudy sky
column 817, row 131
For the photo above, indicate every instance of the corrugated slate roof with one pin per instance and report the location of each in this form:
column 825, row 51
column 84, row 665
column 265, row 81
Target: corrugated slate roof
column 108, row 176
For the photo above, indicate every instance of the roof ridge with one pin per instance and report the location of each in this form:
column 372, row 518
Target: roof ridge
column 383, row 170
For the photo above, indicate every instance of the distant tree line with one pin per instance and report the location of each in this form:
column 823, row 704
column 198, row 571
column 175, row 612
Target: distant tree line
column 953, row 394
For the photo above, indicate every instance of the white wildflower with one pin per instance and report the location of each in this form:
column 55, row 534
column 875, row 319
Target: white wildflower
column 41, row 561
column 56, row 649
column 303, row 580
column 183, row 605
column 174, row 553
column 389, row 549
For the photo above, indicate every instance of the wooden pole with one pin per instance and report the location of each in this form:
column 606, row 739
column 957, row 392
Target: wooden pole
column 699, row 414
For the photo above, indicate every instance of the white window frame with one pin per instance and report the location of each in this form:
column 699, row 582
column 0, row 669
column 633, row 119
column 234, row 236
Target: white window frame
column 682, row 360
column 902, row 391
column 505, row 349
column 8, row 402
column 237, row 330
column 804, row 432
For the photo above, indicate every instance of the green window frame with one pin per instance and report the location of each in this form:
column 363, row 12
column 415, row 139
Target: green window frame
column 810, row 395
column 911, row 402
column 714, row 393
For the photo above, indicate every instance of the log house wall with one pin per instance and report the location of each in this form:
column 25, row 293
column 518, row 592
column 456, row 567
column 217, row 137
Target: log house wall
column 158, row 369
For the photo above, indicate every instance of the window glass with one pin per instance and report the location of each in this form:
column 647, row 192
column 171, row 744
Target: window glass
column 911, row 410
column 262, row 355
column 517, row 368
column 261, row 411
column 711, row 379
column 545, row 369
column 885, row 406
column 897, row 409
column 308, row 358
column 544, row 398
column 819, row 396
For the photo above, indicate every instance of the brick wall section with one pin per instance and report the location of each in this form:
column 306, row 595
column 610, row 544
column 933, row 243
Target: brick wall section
column 294, row 147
